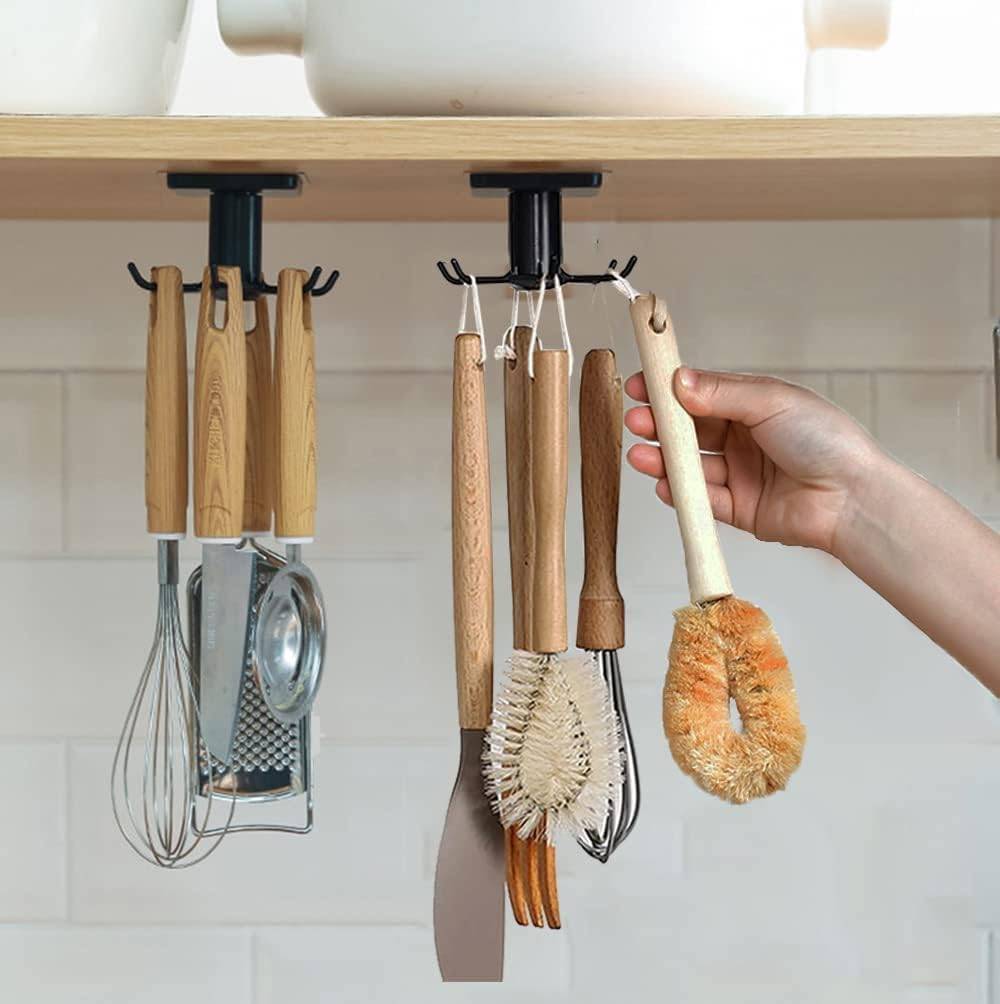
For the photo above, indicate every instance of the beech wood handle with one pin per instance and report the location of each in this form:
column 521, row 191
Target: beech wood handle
column 550, row 470
column 220, row 420
column 520, row 505
column 708, row 577
column 295, row 393
column 472, row 541
column 258, row 495
column 166, row 407
column 601, row 619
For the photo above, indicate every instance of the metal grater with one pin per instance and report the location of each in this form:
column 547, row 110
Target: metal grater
column 271, row 760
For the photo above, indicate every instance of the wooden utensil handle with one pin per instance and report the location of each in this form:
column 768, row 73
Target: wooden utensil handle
column 520, row 504
column 295, row 394
column 258, row 494
column 708, row 577
column 166, row 407
column 601, row 619
column 220, row 413
column 550, row 469
column 472, row 540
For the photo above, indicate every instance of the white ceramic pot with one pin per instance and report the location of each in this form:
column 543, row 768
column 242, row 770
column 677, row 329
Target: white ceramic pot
column 97, row 57
column 552, row 57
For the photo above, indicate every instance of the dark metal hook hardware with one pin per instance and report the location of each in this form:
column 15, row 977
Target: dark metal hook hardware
column 534, row 225
column 312, row 286
column 235, row 233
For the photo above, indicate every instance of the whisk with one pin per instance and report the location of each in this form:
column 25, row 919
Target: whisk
column 153, row 780
column 601, row 619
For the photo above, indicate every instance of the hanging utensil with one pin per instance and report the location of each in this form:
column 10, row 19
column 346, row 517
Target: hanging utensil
column 469, row 879
column 601, row 619
column 152, row 792
column 228, row 570
column 291, row 629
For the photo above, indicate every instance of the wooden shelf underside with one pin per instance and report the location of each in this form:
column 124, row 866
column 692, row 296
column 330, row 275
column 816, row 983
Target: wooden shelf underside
column 415, row 169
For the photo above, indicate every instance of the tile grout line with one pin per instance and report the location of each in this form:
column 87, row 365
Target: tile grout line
column 64, row 494
column 67, row 859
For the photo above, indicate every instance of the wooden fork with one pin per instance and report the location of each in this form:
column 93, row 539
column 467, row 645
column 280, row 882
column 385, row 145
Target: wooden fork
column 531, row 864
column 531, row 881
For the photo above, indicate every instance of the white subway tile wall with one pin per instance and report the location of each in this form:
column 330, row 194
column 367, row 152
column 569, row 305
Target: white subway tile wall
column 873, row 879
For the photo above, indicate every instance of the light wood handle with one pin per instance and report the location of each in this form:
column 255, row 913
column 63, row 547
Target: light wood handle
column 550, row 471
column 472, row 541
column 601, row 619
column 520, row 505
column 258, row 494
column 166, row 407
column 295, row 393
column 220, row 420
column 708, row 577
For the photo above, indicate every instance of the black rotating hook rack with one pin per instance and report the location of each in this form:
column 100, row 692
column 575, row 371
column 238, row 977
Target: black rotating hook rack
column 534, row 222
column 235, row 231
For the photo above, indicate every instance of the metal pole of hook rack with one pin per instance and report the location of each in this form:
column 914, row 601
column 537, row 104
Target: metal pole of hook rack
column 534, row 230
column 235, row 231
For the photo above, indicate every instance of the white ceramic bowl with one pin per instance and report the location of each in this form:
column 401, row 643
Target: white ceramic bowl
column 96, row 57
column 553, row 57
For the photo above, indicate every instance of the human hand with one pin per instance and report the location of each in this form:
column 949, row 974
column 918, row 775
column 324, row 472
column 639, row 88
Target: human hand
column 780, row 461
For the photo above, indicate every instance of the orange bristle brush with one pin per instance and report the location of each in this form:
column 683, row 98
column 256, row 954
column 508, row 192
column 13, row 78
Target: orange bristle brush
column 723, row 648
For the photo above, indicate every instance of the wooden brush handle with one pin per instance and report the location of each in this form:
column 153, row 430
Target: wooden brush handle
column 708, row 577
column 220, row 419
column 601, row 619
column 166, row 407
column 550, row 469
column 472, row 540
column 295, row 393
column 520, row 506
column 258, row 494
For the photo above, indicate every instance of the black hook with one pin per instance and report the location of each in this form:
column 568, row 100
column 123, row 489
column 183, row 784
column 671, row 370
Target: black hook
column 312, row 286
column 236, row 213
column 534, row 225
column 461, row 278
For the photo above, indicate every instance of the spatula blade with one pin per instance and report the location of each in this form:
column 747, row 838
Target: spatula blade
column 469, row 881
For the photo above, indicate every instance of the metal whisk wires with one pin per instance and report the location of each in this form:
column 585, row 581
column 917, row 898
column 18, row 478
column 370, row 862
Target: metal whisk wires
column 154, row 775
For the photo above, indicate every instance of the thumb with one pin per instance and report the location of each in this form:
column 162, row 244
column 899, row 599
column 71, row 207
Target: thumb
column 735, row 396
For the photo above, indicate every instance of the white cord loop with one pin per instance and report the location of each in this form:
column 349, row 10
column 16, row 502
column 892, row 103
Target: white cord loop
column 624, row 286
column 504, row 352
column 536, row 342
column 477, row 316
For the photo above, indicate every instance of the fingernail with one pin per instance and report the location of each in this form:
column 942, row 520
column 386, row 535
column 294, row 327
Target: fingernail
column 688, row 378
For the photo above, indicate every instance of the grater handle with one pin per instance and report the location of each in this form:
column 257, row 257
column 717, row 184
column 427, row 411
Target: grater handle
column 220, row 413
column 258, row 495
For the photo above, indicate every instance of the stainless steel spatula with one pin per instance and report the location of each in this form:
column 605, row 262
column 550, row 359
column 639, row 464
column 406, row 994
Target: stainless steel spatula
column 469, row 882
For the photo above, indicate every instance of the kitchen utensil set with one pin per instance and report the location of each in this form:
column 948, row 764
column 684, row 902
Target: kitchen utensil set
column 229, row 724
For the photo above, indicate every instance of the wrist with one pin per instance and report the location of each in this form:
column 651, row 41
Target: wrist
column 870, row 501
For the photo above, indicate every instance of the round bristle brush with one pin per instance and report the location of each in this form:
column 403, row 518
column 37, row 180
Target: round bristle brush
column 723, row 648
column 553, row 756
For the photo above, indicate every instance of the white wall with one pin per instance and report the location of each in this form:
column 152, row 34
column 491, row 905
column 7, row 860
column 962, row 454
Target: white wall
column 873, row 879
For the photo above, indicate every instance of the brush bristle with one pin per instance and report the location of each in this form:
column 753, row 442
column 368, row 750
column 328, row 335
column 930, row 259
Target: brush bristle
column 554, row 752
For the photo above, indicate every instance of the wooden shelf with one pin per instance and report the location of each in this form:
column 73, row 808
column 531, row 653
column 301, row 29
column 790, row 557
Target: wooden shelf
column 414, row 169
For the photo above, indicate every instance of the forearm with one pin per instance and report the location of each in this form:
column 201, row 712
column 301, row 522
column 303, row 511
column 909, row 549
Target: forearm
column 932, row 560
